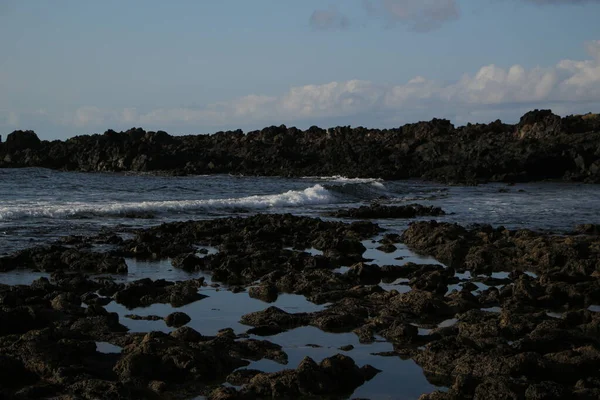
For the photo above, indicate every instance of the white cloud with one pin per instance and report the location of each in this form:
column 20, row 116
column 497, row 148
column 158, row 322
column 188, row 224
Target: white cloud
column 571, row 85
column 130, row 115
column 582, row 81
column 88, row 116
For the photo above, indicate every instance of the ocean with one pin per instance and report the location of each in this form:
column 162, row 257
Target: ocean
column 38, row 206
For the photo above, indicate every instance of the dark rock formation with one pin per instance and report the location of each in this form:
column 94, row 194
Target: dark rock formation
column 334, row 376
column 524, row 336
column 541, row 146
column 381, row 211
column 177, row 319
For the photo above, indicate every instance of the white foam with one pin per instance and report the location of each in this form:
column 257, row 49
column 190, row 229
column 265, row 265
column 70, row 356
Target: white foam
column 343, row 179
column 314, row 195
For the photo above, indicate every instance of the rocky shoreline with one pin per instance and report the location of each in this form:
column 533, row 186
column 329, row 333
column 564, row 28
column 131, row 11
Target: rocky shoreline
column 541, row 146
column 511, row 314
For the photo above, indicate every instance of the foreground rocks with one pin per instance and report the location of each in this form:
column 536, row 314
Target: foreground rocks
column 381, row 211
column 541, row 146
column 508, row 316
column 337, row 375
column 48, row 348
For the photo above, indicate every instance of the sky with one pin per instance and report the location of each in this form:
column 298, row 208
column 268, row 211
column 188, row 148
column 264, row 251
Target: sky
column 70, row 67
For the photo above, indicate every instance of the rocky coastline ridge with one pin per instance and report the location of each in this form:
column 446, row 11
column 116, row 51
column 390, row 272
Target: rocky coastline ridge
column 541, row 146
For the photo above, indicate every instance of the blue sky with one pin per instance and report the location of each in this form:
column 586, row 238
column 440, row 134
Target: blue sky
column 79, row 66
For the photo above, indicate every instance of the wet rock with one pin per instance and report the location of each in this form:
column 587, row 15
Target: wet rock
column 177, row 319
column 342, row 316
column 390, row 238
column 343, row 251
column 96, row 389
column 224, row 393
column 252, row 349
column 66, row 301
column 145, row 292
column 421, row 303
column 400, row 332
column 98, row 326
column 337, row 375
column 499, row 388
column 546, row 390
column 365, row 273
column 485, row 249
column 588, row 229
column 376, row 210
column 265, row 292
column 387, row 248
column 275, row 317
column 160, row 357
column 144, row 317
column 435, row 281
column 188, row 262
column 187, row 334
column 242, row 376
column 58, row 258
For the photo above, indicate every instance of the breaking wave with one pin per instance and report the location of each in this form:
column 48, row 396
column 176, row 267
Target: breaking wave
column 314, row 195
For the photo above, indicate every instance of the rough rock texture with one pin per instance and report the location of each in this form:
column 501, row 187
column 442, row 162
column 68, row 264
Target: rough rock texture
column 337, row 375
column 529, row 333
column 541, row 146
column 381, row 211
column 48, row 349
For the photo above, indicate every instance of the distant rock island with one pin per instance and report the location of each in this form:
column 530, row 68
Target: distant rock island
column 541, row 146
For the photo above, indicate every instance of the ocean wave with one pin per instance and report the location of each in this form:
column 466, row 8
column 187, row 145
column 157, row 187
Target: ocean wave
column 343, row 179
column 314, row 195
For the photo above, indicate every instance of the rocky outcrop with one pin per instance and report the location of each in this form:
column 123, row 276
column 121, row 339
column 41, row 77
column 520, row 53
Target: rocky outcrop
column 375, row 211
column 541, row 146
column 333, row 377
column 530, row 332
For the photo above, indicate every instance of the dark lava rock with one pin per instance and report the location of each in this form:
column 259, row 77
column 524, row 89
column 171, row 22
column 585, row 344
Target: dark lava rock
column 177, row 319
column 160, row 357
column 58, row 258
column 242, row 376
column 485, row 249
column 588, row 229
column 365, row 273
column 387, row 248
column 541, row 146
column 390, row 238
column 265, row 292
column 21, row 140
column 334, row 376
column 145, row 292
column 275, row 317
column 144, row 317
column 48, row 339
column 188, row 262
column 380, row 211
column 187, row 334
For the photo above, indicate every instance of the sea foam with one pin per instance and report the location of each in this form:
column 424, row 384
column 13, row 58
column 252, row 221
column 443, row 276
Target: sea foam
column 314, row 195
